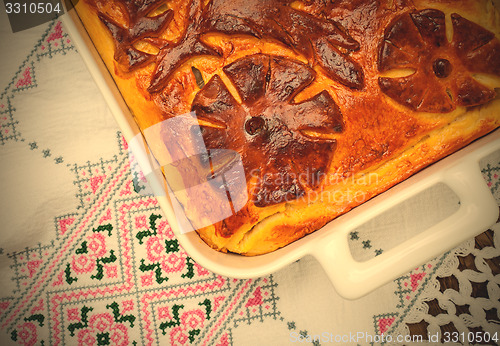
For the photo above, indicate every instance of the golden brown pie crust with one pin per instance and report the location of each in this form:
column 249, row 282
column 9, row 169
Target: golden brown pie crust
column 328, row 102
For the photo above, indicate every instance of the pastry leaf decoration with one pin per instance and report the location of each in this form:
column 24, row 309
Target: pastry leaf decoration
column 270, row 131
column 320, row 40
column 140, row 26
column 443, row 70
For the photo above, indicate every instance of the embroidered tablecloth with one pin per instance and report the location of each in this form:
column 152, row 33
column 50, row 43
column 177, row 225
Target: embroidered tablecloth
column 86, row 259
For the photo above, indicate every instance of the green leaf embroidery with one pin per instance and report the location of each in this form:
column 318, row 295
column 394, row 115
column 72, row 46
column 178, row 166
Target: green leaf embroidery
column 152, row 225
column 69, row 278
column 100, row 269
column 83, row 249
column 174, row 322
column 156, row 267
column 208, row 307
column 171, row 245
column 82, row 324
column 190, row 267
column 192, row 334
column 119, row 318
column 104, row 228
column 37, row 317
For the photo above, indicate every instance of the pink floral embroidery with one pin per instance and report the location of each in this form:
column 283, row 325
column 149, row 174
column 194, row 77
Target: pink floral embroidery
column 56, row 34
column 173, row 263
column 86, row 337
column 163, row 253
column 93, row 257
column 164, row 313
column 119, row 335
column 103, row 329
column 74, row 314
column 147, row 279
column 223, row 341
column 178, row 336
column 26, row 80
column 82, row 264
column 156, row 249
column 26, row 334
column 141, row 222
column 184, row 327
column 111, row 271
column 200, row 270
column 97, row 245
column 193, row 319
column 101, row 322
column 165, row 230
column 127, row 305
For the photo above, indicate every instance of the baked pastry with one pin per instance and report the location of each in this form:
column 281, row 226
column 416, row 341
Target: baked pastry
column 323, row 104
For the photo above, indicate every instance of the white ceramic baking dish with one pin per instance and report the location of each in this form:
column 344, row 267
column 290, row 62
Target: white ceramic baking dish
column 352, row 279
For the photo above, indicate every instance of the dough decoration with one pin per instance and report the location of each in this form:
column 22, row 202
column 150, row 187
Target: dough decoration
column 139, row 26
column 320, row 40
column 267, row 128
column 443, row 71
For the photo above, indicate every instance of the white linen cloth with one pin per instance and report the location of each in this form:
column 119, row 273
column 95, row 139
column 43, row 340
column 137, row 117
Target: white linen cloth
column 85, row 259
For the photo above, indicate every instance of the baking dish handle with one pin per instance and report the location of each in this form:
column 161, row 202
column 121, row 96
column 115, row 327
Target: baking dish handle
column 478, row 210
